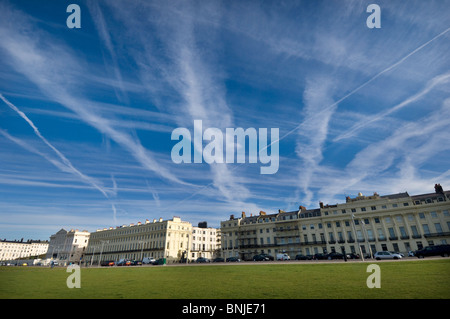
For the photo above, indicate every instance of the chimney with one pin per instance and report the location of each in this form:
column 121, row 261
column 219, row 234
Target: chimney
column 231, row 217
column 438, row 188
column 243, row 215
column 321, row 204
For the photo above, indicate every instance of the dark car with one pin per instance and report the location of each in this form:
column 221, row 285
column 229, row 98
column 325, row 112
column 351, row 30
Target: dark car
column 269, row 257
column 107, row 263
column 260, row 257
column 202, row 260
column 218, row 260
column 335, row 255
column 353, row 256
column 303, row 257
column 320, row 256
column 437, row 250
column 122, row 262
column 233, row 259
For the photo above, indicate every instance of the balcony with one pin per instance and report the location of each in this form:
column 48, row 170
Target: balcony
column 441, row 234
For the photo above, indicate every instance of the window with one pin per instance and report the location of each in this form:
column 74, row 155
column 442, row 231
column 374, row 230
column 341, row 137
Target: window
column 391, row 232
column 402, row 231
column 426, row 229
column 363, row 209
column 438, row 227
column 421, row 215
column 433, row 214
column 373, row 208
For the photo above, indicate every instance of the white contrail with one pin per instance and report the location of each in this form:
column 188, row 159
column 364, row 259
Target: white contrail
column 443, row 78
column 65, row 161
column 367, row 82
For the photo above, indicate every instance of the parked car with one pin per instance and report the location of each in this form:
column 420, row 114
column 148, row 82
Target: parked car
column 411, row 253
column 260, row 257
column 303, row 257
column 319, row 256
column 202, row 260
column 136, row 263
column 335, row 255
column 233, row 259
column 148, row 260
column 270, row 257
column 283, row 257
column 121, row 262
column 218, row 260
column 396, row 252
column 437, row 250
column 386, row 255
column 353, row 256
column 107, row 263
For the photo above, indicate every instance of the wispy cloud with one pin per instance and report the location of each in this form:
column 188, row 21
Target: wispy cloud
column 436, row 81
column 64, row 161
column 33, row 62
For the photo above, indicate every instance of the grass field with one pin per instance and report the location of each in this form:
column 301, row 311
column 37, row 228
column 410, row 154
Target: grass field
column 418, row 279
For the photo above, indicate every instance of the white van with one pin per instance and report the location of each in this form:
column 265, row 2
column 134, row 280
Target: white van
column 283, row 257
column 148, row 260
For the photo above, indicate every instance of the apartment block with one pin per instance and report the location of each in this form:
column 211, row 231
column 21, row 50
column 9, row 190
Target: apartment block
column 158, row 239
column 205, row 242
column 363, row 224
column 68, row 246
column 15, row 249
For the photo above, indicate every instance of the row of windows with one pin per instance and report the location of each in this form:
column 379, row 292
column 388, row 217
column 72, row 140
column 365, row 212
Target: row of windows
column 366, row 221
column 364, row 209
column 414, row 231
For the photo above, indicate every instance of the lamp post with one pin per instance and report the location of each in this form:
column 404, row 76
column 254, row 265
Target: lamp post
column 142, row 248
column 101, row 251
column 354, row 229
column 93, row 253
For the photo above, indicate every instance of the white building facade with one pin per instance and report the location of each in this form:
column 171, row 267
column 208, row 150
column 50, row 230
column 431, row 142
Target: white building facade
column 205, row 242
column 363, row 224
column 167, row 239
column 68, row 246
column 13, row 250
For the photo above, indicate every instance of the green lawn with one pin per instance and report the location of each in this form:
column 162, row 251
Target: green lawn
column 417, row 279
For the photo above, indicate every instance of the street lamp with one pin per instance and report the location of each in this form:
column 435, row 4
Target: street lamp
column 354, row 229
column 101, row 251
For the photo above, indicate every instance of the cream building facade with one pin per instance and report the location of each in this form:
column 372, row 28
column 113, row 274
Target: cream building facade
column 158, row 239
column 364, row 224
column 205, row 242
column 12, row 250
column 68, row 246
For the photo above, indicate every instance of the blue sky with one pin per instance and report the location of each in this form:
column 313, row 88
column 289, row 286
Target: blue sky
column 86, row 115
